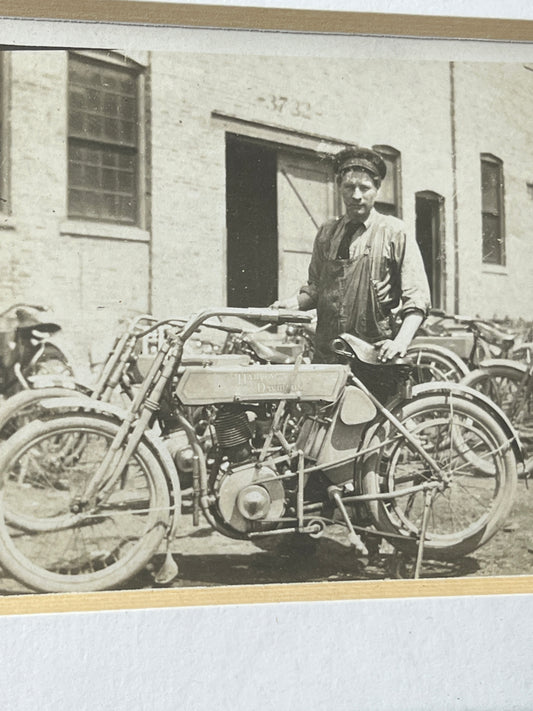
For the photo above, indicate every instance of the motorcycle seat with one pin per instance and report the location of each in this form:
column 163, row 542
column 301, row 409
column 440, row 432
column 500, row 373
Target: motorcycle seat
column 351, row 346
column 266, row 352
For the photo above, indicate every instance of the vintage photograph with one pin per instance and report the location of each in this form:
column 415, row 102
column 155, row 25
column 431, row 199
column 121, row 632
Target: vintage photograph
column 265, row 319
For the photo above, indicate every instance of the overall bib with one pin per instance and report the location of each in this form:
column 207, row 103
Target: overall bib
column 347, row 303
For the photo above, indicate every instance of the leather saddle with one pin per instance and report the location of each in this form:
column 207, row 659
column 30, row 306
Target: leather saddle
column 350, row 346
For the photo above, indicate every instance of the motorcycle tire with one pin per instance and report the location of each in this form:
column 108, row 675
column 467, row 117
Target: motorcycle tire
column 436, row 363
column 508, row 385
column 471, row 508
column 47, row 541
column 25, row 406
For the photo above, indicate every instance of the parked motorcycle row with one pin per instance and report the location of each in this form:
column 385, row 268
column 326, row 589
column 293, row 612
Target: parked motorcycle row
column 263, row 444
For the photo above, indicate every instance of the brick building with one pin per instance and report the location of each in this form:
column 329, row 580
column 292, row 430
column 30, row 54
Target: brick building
column 168, row 182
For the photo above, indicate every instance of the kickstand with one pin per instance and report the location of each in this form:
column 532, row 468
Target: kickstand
column 354, row 539
column 428, row 497
column 168, row 571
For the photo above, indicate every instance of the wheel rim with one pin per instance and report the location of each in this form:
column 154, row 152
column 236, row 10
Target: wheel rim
column 464, row 506
column 44, row 485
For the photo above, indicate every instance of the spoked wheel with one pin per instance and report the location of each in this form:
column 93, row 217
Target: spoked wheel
column 509, row 386
column 436, row 363
column 467, row 506
column 26, row 406
column 51, row 538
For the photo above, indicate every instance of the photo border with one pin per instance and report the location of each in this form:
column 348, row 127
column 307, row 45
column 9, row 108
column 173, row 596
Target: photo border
column 133, row 12
column 277, row 19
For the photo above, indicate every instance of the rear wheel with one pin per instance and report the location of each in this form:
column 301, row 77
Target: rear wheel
column 510, row 387
column 471, row 506
column 51, row 538
column 436, row 364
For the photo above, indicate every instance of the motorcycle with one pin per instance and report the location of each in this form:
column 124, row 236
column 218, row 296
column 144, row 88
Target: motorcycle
column 26, row 349
column 276, row 451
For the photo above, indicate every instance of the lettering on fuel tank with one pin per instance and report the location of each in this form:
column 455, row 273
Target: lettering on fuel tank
column 259, row 383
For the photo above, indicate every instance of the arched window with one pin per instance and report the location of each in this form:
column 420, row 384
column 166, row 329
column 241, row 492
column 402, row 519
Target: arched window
column 389, row 198
column 105, row 135
column 492, row 210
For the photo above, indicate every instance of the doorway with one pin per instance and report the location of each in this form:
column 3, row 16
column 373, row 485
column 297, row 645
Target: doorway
column 251, row 223
column 429, row 208
column 276, row 198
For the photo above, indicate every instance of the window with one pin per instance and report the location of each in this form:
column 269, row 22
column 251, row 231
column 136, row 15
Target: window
column 104, row 138
column 389, row 196
column 492, row 214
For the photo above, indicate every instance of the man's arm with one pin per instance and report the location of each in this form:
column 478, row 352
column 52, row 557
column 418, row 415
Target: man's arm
column 399, row 345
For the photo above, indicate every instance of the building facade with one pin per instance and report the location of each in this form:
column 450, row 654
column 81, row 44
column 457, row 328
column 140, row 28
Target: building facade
column 169, row 182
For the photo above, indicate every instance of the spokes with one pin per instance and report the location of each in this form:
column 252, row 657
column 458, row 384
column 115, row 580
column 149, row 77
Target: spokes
column 53, row 524
column 464, row 452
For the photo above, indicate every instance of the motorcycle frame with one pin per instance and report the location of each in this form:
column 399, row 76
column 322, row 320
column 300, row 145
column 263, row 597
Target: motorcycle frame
column 165, row 365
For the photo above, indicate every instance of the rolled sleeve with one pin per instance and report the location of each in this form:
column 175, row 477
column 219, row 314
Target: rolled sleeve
column 415, row 294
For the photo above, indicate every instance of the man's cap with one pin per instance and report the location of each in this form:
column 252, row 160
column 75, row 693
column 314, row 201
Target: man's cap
column 353, row 158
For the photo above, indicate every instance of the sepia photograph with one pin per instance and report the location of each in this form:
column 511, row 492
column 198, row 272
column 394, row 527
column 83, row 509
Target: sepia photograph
column 266, row 318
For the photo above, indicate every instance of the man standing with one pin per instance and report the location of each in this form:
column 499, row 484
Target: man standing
column 364, row 265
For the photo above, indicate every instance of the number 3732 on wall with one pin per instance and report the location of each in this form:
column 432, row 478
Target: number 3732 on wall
column 285, row 105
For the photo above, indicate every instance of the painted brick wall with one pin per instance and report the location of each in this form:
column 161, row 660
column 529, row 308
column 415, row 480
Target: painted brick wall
column 91, row 283
column 494, row 106
column 374, row 102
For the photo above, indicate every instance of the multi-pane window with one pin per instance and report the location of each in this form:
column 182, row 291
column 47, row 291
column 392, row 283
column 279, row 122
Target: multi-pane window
column 492, row 213
column 103, row 140
column 389, row 196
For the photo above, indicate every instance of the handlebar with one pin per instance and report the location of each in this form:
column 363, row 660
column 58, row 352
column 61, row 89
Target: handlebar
column 268, row 315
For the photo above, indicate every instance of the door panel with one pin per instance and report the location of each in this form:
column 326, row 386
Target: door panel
column 306, row 198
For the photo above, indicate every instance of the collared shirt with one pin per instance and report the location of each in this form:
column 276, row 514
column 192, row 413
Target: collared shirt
column 392, row 252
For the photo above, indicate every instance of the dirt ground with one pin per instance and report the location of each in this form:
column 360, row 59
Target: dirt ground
column 206, row 558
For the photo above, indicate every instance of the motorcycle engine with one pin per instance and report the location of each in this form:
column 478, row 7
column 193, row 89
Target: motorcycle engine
column 247, row 492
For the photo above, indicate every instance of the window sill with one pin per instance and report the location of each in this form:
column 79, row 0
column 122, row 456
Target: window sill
column 103, row 230
column 7, row 222
column 494, row 269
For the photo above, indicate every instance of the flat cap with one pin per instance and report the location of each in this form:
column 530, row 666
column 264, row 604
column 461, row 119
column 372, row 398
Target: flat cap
column 363, row 158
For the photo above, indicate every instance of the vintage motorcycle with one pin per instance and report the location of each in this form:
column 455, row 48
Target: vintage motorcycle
column 26, row 351
column 275, row 450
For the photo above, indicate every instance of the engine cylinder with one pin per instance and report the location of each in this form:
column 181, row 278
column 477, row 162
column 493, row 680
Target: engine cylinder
column 233, row 433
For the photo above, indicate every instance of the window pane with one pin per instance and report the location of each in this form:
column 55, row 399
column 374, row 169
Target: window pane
column 493, row 235
column 99, row 96
column 492, row 241
column 101, row 182
column 490, row 187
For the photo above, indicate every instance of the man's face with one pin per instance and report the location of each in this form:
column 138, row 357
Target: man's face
column 359, row 193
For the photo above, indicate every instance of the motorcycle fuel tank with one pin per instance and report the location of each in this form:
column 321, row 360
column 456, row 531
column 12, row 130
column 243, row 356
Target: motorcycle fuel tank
column 254, row 383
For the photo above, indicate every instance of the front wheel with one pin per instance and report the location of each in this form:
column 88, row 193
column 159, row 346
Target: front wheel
column 470, row 506
column 26, row 405
column 51, row 538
